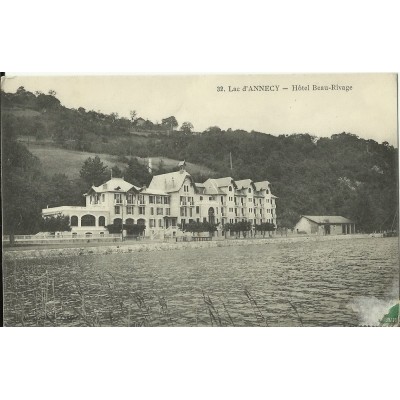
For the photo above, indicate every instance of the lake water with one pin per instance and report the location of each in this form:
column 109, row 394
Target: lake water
column 326, row 283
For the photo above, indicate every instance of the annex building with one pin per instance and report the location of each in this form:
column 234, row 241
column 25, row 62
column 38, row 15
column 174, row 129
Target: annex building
column 171, row 199
column 325, row 225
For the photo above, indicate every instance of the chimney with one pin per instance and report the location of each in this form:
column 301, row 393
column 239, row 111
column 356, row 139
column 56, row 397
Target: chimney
column 182, row 165
column 144, row 187
column 150, row 167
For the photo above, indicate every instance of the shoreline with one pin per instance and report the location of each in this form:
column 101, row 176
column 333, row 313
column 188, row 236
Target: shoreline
column 16, row 254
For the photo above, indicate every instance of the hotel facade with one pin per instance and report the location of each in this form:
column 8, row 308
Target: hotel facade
column 171, row 200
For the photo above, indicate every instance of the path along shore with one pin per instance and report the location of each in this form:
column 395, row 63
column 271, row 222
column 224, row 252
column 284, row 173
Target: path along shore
column 134, row 247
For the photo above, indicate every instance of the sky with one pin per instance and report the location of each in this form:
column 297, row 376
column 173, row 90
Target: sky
column 368, row 109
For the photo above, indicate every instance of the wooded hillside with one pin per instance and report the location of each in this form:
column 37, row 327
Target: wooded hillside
column 341, row 175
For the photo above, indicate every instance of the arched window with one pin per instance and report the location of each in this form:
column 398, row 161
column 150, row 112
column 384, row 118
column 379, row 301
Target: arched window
column 88, row 234
column 88, row 220
column 141, row 221
column 129, row 221
column 102, row 221
column 118, row 221
column 74, row 220
column 230, row 188
column 211, row 217
column 249, row 190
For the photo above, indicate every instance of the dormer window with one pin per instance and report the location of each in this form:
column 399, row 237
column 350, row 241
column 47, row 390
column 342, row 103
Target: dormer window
column 230, row 188
column 249, row 190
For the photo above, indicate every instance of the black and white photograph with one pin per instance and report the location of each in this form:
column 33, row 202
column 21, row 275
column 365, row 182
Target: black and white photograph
column 231, row 200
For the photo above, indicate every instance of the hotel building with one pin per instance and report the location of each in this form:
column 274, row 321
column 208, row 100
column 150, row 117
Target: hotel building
column 171, row 200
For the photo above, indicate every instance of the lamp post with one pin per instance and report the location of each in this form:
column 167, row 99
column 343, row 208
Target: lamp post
column 122, row 220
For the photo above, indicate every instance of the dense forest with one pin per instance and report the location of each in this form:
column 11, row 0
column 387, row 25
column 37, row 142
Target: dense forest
column 341, row 175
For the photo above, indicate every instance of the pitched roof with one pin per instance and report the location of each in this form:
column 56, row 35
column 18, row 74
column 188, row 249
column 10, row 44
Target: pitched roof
column 211, row 187
column 223, row 182
column 244, row 183
column 153, row 191
column 114, row 185
column 328, row 219
column 171, row 182
column 261, row 185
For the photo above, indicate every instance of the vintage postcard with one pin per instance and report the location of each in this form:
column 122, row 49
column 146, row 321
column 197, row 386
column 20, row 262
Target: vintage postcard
column 200, row 200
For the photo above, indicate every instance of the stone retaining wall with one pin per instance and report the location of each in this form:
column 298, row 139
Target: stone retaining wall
column 162, row 246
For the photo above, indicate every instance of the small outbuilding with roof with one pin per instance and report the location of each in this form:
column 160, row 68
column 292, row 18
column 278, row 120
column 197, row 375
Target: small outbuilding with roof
column 325, row 225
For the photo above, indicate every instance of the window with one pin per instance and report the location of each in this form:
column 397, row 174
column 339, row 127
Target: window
column 102, row 221
column 160, row 211
column 197, row 210
column 103, row 197
column 166, row 200
column 201, row 198
column 230, row 188
column 141, row 199
column 167, row 211
column 117, row 221
column 142, row 210
column 158, row 199
column 151, row 199
column 74, row 220
column 160, row 223
column 88, row 220
column 130, row 198
column 129, row 209
column 222, row 199
column 117, row 198
column 249, row 190
column 129, row 221
column 117, row 210
column 152, row 223
column 151, row 210
column 210, row 198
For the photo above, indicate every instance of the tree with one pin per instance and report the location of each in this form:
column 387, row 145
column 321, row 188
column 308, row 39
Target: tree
column 133, row 114
column 47, row 102
column 133, row 229
column 238, row 227
column 93, row 171
column 161, row 167
column 52, row 92
column 197, row 227
column 213, row 129
column 265, row 227
column 136, row 173
column 187, row 127
column 55, row 224
column 22, row 188
column 116, row 172
column 169, row 123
